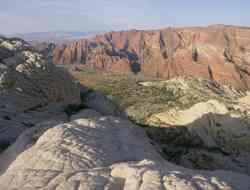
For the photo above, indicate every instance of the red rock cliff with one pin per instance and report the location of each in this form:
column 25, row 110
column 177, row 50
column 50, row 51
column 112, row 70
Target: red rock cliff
column 219, row 52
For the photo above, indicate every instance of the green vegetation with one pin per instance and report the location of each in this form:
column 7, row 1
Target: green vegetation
column 4, row 145
column 8, row 84
column 129, row 93
column 143, row 97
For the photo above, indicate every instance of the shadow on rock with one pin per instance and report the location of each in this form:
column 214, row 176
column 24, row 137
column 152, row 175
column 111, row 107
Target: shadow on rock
column 211, row 142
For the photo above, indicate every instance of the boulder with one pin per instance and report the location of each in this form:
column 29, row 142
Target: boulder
column 102, row 104
column 85, row 144
column 105, row 153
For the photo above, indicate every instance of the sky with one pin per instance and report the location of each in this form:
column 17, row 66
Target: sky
column 24, row 16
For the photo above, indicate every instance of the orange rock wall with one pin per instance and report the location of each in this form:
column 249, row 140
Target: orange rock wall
column 219, row 52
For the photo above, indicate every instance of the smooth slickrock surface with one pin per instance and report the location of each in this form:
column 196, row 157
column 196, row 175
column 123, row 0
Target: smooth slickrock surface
column 182, row 118
column 105, row 153
column 86, row 144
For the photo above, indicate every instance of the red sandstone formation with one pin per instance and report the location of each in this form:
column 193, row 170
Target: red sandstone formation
column 219, row 52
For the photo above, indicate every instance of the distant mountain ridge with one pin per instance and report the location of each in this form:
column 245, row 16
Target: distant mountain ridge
column 217, row 52
column 55, row 36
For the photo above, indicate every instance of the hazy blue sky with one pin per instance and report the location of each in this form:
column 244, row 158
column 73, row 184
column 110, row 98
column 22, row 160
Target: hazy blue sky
column 20, row 16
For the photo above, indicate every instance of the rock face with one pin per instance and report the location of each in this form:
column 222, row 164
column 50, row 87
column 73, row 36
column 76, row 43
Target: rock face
column 103, row 153
column 34, row 81
column 204, row 125
column 220, row 53
column 29, row 85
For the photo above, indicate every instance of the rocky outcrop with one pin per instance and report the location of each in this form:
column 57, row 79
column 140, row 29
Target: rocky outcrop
column 103, row 153
column 218, row 52
column 212, row 137
column 185, row 117
column 204, row 125
column 29, row 85
column 172, row 95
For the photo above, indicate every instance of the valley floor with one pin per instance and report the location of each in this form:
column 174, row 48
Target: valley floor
column 195, row 122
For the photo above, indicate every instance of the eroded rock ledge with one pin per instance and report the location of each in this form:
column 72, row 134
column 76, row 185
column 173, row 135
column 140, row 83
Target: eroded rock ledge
column 31, row 89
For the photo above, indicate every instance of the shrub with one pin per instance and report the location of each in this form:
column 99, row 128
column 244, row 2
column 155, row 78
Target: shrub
column 8, row 84
column 4, row 145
